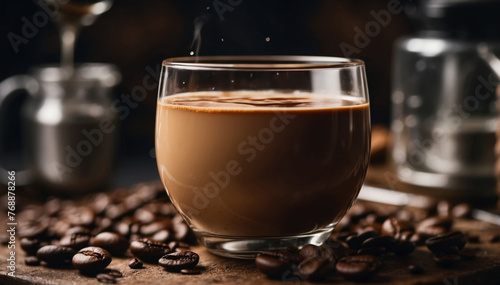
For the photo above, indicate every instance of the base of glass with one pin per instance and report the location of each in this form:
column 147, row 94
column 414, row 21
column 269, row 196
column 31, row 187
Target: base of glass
column 249, row 247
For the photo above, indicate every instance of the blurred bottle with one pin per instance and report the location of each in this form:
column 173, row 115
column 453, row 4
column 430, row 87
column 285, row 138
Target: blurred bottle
column 444, row 105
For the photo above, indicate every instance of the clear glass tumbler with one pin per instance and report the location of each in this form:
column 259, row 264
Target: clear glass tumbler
column 262, row 152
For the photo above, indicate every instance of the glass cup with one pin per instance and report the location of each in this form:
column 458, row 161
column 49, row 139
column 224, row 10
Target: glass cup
column 262, row 152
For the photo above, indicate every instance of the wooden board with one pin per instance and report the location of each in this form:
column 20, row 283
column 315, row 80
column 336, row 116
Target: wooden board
column 485, row 269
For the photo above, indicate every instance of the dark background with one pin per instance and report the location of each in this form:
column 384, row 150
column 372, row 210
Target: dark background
column 137, row 35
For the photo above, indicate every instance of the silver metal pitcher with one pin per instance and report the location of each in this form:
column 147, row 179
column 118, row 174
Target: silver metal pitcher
column 70, row 131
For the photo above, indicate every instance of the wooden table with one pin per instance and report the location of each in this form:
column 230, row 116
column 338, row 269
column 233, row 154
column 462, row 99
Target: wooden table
column 485, row 269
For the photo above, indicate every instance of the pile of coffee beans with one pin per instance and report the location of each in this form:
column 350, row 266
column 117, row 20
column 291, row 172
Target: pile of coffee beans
column 139, row 222
column 363, row 239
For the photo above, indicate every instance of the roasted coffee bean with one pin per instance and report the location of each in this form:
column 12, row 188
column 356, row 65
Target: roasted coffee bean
column 149, row 250
column 78, row 230
column 55, row 255
column 75, row 241
column 393, row 226
column 436, row 221
column 448, row 243
column 357, row 267
column 79, row 216
column 403, row 248
column 144, row 216
column 353, row 241
column 91, row 259
column 30, row 246
column 380, row 241
column 103, row 224
column 34, row 229
column 115, row 212
column 309, row 250
column 31, row 261
column 446, row 259
column 463, row 210
column 293, row 256
column 272, row 264
column 179, row 260
column 100, row 203
column 190, row 271
column 443, row 208
column 410, row 236
column 52, row 206
column 115, row 243
column 181, row 232
column 175, row 244
column 415, row 269
column 135, row 264
column 106, row 278
column 431, row 231
column 315, row 268
column 372, row 251
column 404, row 215
column 151, row 229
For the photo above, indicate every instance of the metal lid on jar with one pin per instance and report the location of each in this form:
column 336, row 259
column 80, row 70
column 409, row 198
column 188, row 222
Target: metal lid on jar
column 468, row 19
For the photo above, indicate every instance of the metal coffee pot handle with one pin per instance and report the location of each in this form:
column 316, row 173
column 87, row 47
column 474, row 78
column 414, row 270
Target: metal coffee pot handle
column 489, row 57
column 7, row 88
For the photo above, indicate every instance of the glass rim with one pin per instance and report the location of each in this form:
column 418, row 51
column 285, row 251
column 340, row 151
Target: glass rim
column 261, row 62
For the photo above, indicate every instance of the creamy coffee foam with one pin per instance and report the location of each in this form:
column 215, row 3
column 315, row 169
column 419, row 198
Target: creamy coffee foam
column 256, row 101
column 262, row 163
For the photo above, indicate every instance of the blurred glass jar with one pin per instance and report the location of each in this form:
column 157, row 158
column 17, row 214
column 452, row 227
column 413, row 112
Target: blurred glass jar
column 443, row 99
column 70, row 131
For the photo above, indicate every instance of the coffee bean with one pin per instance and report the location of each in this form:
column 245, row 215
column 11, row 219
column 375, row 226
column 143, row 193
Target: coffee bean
column 30, row 246
column 403, row 248
column 305, row 252
column 393, row 226
column 151, row 229
column 405, row 215
column 315, row 268
column 357, row 267
column 443, row 208
column 79, row 216
column 179, row 260
column 182, row 232
column 415, row 269
column 273, row 264
column 91, row 259
column 431, row 231
column 31, row 261
column 144, row 216
column 149, row 250
column 75, row 241
column 55, row 255
column 410, row 236
column 106, row 278
column 448, row 243
column 175, row 244
column 135, row 264
column 190, row 271
column 372, row 251
column 463, row 210
column 435, row 221
column 380, row 241
column 446, row 259
column 115, row 243
column 34, row 229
